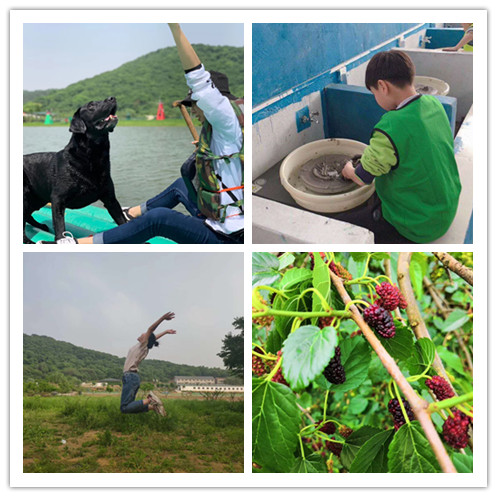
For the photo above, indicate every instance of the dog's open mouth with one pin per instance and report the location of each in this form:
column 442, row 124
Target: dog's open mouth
column 110, row 117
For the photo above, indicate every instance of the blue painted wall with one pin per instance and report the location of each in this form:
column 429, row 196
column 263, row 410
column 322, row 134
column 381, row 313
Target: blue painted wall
column 352, row 112
column 287, row 55
column 446, row 37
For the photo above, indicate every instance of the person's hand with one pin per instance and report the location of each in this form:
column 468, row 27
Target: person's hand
column 168, row 316
column 450, row 49
column 348, row 171
column 171, row 332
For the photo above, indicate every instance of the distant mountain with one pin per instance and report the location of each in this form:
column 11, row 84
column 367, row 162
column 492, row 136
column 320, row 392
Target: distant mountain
column 45, row 357
column 140, row 84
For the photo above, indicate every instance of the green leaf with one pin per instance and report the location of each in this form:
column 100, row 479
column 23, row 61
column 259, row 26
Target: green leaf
column 380, row 256
column 463, row 463
column 372, row 457
column 455, row 320
column 320, row 281
column 451, row 360
column 410, row 451
column 401, row 346
column 306, row 352
column 286, row 260
column 264, row 268
column 417, row 269
column 274, row 342
column 354, row 442
column 424, row 353
column 359, row 256
column 283, row 324
column 358, row 405
column 293, row 277
column 311, row 464
column 355, row 356
column 275, row 424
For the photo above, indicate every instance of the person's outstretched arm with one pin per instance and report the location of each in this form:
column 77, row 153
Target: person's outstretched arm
column 166, row 332
column 189, row 59
column 166, row 317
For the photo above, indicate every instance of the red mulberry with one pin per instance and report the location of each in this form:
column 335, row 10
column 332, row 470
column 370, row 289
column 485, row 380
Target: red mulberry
column 258, row 365
column 264, row 321
column 340, row 271
column 397, row 414
column 390, row 296
column 322, row 254
column 325, row 321
column 334, row 372
column 455, row 430
column 380, row 320
column 278, row 377
column 440, row 387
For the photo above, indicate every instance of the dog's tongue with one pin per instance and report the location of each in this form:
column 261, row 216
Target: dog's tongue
column 108, row 118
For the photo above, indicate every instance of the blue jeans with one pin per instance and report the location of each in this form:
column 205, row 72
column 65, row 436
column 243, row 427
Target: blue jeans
column 131, row 384
column 159, row 219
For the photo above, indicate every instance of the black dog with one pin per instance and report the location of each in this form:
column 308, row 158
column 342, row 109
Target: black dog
column 76, row 176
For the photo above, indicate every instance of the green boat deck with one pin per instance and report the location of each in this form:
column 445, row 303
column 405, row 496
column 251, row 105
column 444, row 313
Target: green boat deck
column 79, row 222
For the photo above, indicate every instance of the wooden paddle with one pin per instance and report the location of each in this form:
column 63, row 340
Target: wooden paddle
column 188, row 120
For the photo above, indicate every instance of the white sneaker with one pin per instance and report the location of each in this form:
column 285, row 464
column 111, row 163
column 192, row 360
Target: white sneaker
column 156, row 404
column 68, row 238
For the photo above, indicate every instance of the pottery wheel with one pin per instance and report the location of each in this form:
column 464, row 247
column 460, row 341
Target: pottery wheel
column 426, row 89
column 323, row 174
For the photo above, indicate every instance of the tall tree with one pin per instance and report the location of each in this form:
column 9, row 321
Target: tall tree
column 232, row 349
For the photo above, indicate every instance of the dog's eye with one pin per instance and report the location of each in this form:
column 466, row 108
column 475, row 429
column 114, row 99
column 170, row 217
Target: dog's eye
column 91, row 105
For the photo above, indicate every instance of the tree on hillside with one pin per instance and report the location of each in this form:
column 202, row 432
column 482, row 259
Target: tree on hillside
column 232, row 349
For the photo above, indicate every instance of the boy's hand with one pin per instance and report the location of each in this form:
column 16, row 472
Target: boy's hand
column 170, row 332
column 450, row 49
column 168, row 316
column 348, row 171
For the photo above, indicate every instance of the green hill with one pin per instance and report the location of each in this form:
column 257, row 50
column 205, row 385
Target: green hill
column 45, row 358
column 140, row 84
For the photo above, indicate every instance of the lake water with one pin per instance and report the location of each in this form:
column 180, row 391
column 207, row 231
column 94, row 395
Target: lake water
column 144, row 160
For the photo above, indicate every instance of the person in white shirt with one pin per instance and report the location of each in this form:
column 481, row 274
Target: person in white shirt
column 131, row 379
column 216, row 206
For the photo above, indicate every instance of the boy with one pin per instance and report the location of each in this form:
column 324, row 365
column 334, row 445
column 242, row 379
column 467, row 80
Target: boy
column 410, row 155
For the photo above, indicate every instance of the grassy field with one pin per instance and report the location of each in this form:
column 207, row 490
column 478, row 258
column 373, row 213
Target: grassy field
column 123, row 122
column 88, row 434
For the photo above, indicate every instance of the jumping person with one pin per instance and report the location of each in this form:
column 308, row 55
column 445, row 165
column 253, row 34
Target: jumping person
column 216, row 206
column 131, row 379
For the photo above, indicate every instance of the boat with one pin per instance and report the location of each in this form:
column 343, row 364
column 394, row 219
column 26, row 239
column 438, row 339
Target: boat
column 80, row 223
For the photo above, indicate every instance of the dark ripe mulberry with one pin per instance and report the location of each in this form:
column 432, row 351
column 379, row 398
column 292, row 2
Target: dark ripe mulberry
column 258, row 365
column 397, row 414
column 455, row 430
column 334, row 372
column 440, row 387
column 322, row 254
column 340, row 271
column 336, row 447
column 328, row 427
column 325, row 321
column 380, row 320
column 389, row 296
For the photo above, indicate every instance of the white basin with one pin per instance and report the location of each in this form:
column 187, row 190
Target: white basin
column 324, row 203
column 439, row 86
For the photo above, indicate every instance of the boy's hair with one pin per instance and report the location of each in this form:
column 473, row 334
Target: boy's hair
column 152, row 341
column 393, row 66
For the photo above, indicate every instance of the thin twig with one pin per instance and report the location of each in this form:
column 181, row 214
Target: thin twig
column 413, row 314
column 455, row 266
column 445, row 311
column 417, row 404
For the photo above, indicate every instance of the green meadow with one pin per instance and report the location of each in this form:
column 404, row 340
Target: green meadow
column 89, row 434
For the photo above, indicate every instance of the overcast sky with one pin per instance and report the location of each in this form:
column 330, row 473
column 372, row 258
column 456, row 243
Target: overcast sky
column 58, row 54
column 104, row 301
